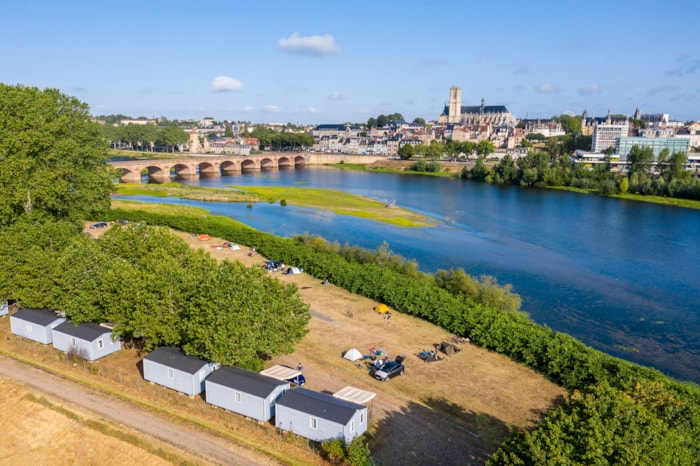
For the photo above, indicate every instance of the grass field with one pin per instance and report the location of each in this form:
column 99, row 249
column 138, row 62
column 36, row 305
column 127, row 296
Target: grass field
column 339, row 202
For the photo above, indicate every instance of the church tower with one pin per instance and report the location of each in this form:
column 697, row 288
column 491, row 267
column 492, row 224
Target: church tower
column 455, row 110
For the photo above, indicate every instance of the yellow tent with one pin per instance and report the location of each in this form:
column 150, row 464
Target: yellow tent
column 382, row 309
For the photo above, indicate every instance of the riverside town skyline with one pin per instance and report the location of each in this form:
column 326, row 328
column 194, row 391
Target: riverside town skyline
column 326, row 63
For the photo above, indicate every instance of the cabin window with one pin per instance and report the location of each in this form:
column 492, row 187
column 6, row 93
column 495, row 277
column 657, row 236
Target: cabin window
column 100, row 343
column 238, row 397
column 362, row 418
column 29, row 327
column 171, row 374
column 73, row 342
column 313, row 423
column 352, row 426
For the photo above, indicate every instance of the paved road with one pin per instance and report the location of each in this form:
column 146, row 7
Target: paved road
column 110, row 408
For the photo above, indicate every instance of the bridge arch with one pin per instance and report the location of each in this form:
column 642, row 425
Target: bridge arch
column 284, row 162
column 209, row 169
column 159, row 173
column 248, row 164
column 182, row 170
column 299, row 161
column 229, row 166
column 267, row 164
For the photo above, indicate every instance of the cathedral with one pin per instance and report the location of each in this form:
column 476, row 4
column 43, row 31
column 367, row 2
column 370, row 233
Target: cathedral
column 455, row 112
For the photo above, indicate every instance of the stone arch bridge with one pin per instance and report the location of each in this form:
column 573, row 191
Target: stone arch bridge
column 196, row 166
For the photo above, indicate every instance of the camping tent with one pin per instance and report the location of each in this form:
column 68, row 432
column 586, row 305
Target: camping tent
column 204, row 237
column 353, row 354
column 293, row 270
column 382, row 309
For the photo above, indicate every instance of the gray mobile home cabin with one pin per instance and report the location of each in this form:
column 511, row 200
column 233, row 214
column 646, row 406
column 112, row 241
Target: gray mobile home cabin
column 35, row 324
column 318, row 416
column 245, row 392
column 87, row 340
column 171, row 367
column 4, row 308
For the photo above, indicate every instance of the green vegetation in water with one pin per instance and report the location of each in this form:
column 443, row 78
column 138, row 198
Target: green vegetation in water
column 626, row 349
column 196, row 193
column 673, row 201
column 339, row 202
column 350, row 166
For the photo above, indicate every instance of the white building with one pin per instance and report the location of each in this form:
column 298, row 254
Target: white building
column 605, row 135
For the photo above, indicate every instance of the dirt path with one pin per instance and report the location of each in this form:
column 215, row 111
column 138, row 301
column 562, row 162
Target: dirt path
column 204, row 445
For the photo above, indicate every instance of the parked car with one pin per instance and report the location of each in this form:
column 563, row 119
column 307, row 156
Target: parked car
column 390, row 369
column 99, row 225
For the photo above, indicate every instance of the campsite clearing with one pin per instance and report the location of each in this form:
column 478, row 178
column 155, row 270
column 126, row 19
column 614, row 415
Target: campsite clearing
column 458, row 410
column 473, row 399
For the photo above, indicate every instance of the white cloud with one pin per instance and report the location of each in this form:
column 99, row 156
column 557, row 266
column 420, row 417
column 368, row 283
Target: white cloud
column 311, row 110
column 335, row 95
column 225, row 84
column 546, row 88
column 308, row 45
column 588, row 89
column 272, row 109
column 248, row 108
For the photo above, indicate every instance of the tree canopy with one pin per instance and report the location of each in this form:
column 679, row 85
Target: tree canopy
column 52, row 158
column 153, row 288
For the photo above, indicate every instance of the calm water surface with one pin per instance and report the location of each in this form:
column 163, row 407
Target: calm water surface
column 609, row 272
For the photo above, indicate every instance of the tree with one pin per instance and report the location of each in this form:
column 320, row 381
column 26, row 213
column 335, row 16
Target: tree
column 241, row 314
column 506, row 171
column 674, row 168
column 601, row 426
column 405, row 152
column 52, row 156
column 640, row 159
column 570, row 124
column 170, row 136
column 484, row 148
column 420, row 121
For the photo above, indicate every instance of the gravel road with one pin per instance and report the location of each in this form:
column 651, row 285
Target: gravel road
column 110, row 408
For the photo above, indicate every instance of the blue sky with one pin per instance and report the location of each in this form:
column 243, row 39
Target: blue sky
column 332, row 62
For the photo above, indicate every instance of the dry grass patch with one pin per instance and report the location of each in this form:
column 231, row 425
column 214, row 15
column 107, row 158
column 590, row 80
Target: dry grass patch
column 44, row 430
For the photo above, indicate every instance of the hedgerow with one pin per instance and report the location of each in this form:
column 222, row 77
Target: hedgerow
column 563, row 359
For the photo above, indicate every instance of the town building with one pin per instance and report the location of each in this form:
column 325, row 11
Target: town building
column 605, row 135
column 455, row 112
column 625, row 144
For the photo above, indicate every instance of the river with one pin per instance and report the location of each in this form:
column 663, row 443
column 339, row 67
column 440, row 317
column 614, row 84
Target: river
column 621, row 276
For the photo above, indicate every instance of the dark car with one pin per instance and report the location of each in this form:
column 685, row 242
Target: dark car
column 390, row 369
column 99, row 225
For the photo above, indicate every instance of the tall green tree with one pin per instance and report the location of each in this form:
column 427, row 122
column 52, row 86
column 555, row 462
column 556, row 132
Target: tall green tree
column 640, row 159
column 406, row 151
column 171, row 136
column 484, row 148
column 242, row 314
column 52, row 156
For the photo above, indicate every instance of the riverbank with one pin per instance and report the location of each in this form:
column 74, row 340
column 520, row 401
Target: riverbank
column 453, row 170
